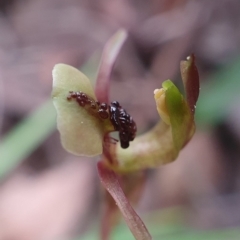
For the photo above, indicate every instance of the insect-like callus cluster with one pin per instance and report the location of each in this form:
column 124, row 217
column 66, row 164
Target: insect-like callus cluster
column 123, row 123
column 94, row 107
column 120, row 119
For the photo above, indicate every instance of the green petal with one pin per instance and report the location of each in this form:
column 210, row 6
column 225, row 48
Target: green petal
column 81, row 133
column 181, row 119
column 161, row 144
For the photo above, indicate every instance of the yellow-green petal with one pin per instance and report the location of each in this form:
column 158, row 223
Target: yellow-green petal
column 81, row 133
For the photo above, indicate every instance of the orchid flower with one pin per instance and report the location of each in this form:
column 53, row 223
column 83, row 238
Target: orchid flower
column 85, row 118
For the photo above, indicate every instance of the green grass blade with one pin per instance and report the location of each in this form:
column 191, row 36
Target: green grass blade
column 26, row 137
column 173, row 232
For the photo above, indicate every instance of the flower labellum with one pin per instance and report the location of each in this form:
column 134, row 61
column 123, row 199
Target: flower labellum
column 81, row 130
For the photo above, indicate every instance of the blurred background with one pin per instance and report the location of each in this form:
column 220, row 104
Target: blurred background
column 48, row 194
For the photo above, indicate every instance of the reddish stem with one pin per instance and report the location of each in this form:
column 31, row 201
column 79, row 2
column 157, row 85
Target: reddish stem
column 109, row 55
column 110, row 181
